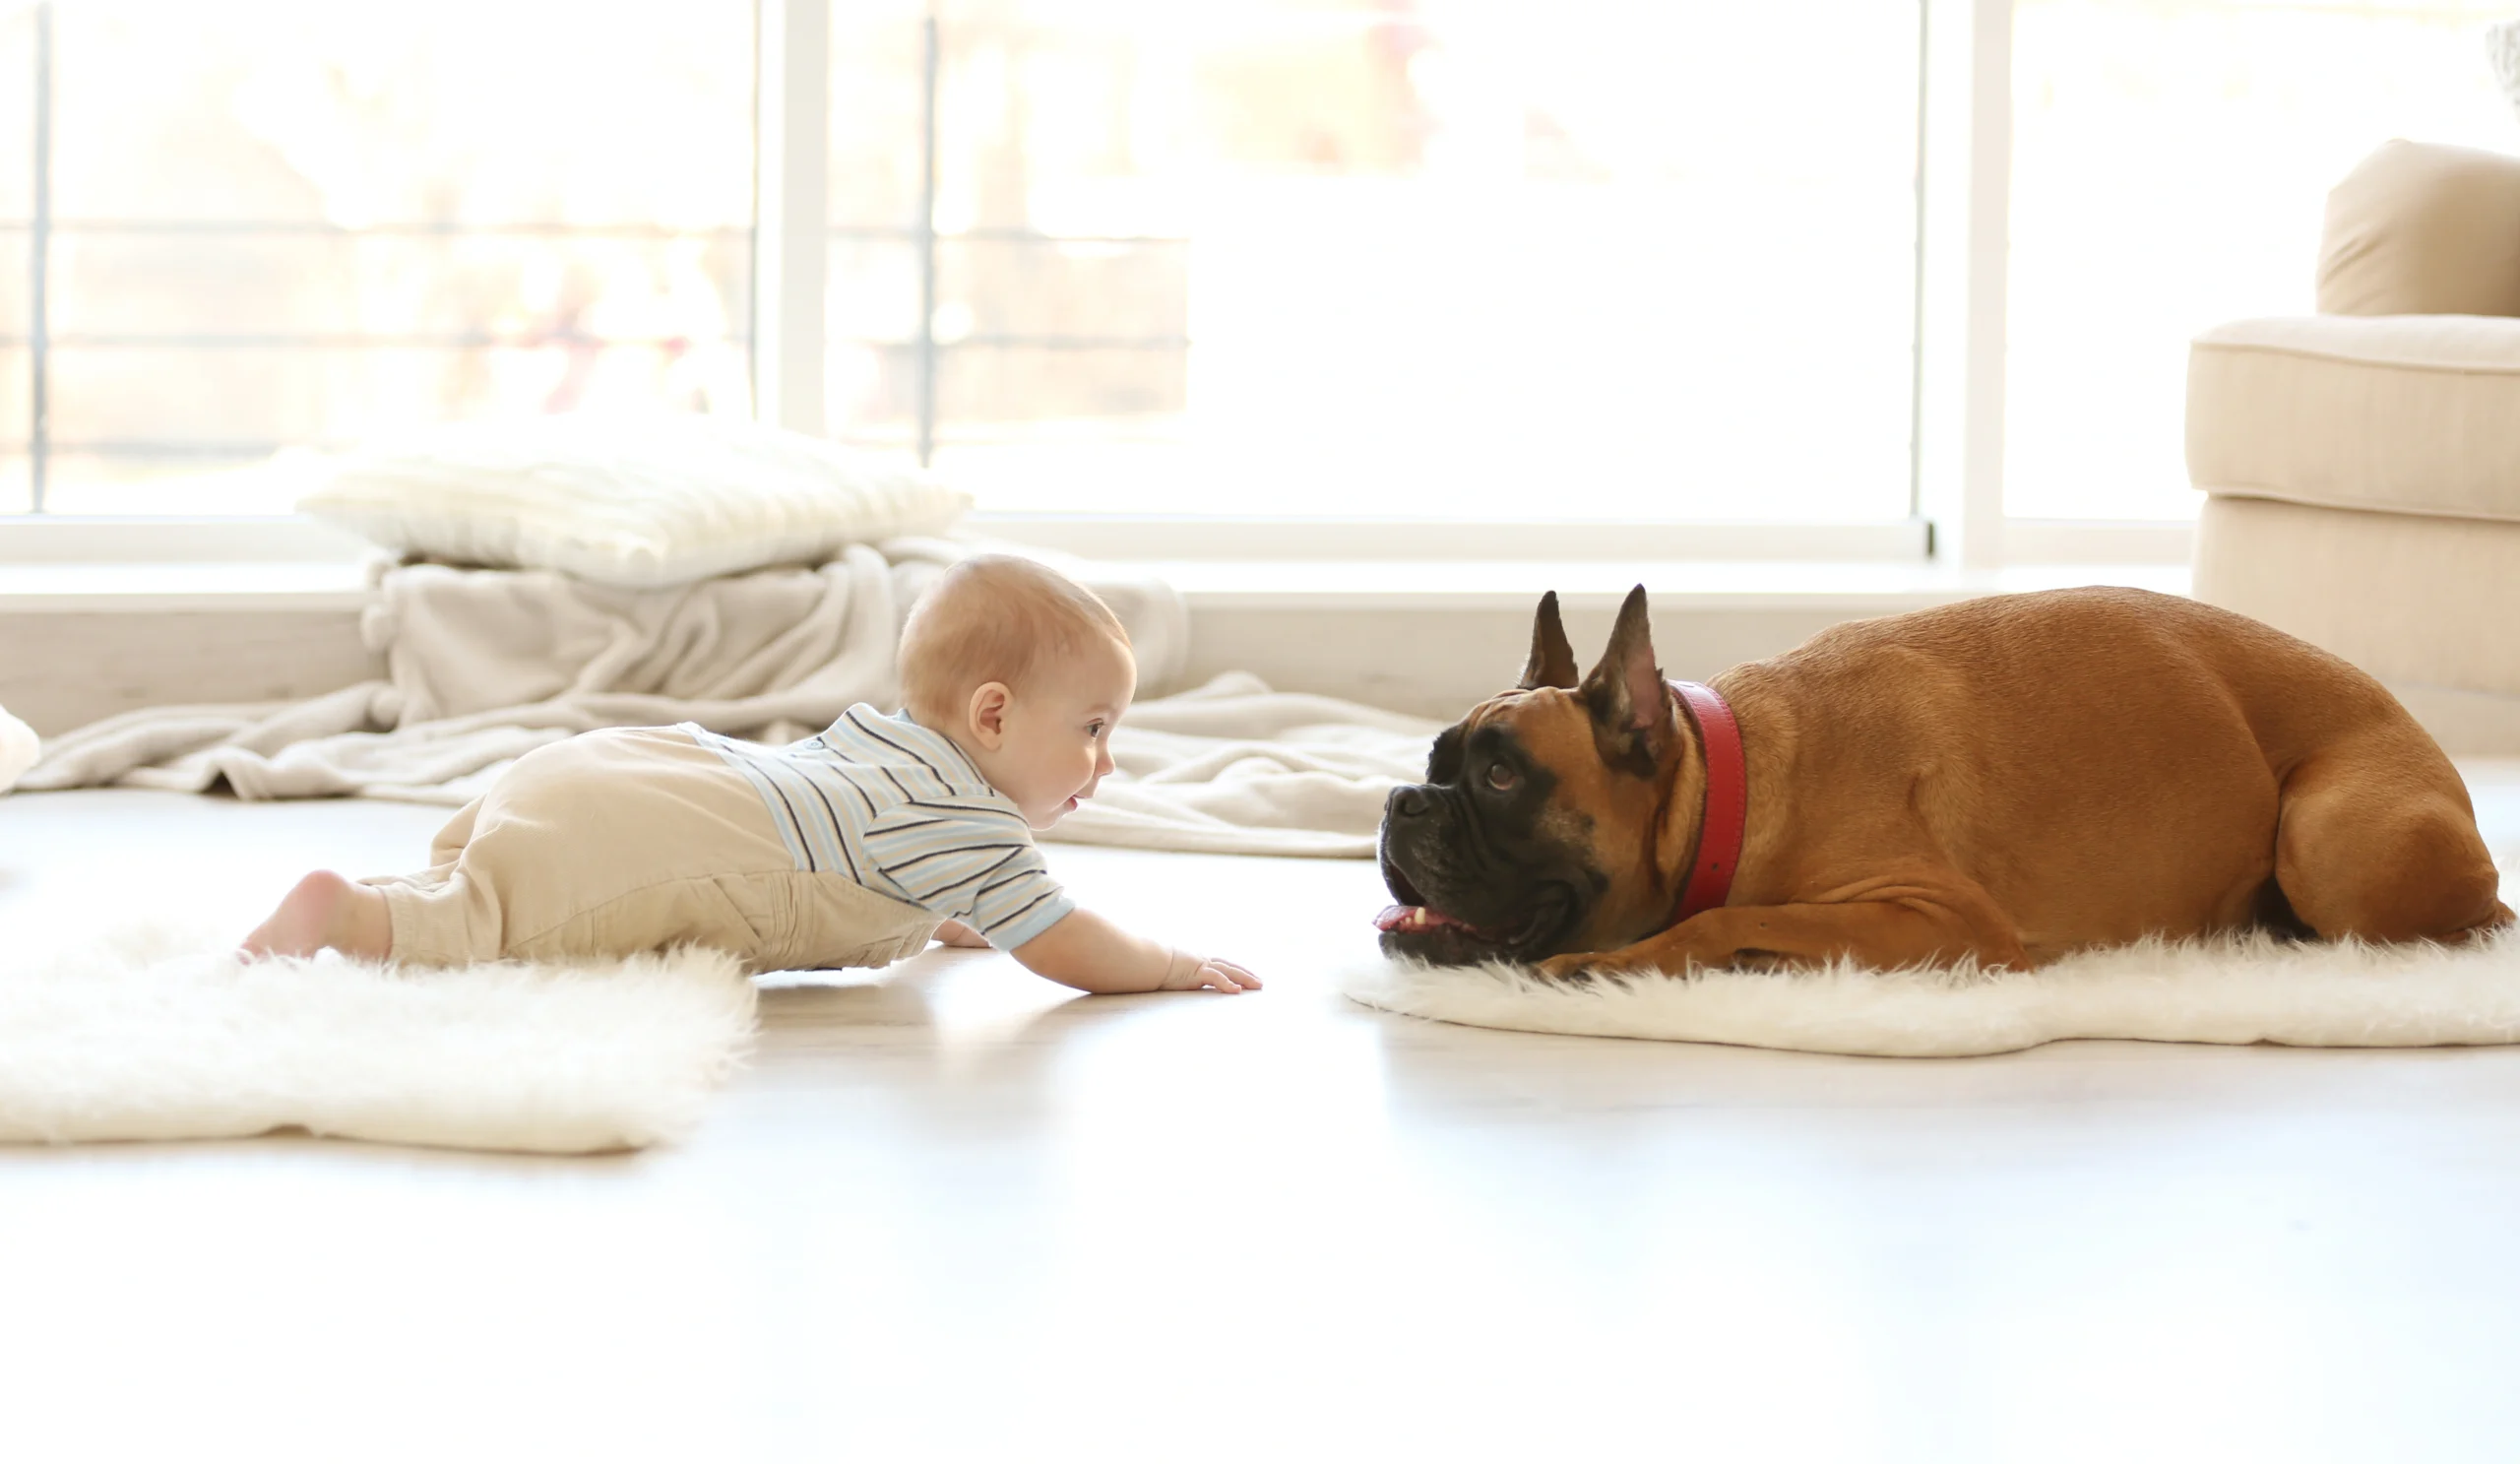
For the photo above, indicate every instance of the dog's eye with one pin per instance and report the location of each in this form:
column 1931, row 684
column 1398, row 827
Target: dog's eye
column 1501, row 778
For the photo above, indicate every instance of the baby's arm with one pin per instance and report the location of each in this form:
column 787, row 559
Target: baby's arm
column 1090, row 953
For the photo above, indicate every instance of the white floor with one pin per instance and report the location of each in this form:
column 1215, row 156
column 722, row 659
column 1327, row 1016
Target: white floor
column 956, row 1212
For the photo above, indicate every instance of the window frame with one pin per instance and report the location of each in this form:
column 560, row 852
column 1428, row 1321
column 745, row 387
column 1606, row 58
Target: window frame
column 1956, row 520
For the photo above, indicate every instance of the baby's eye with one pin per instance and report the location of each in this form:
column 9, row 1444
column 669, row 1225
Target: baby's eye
column 1500, row 777
column 1095, row 731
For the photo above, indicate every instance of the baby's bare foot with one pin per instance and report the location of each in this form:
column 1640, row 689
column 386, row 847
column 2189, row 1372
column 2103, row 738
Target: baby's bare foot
column 324, row 912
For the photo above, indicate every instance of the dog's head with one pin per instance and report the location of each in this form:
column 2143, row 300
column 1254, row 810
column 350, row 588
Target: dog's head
column 1540, row 828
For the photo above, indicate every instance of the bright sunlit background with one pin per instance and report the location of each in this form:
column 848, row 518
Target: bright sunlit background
column 1472, row 258
column 2170, row 162
column 1593, row 259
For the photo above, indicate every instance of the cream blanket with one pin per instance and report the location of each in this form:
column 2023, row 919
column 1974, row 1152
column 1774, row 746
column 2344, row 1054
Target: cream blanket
column 19, row 749
column 1237, row 768
column 485, row 665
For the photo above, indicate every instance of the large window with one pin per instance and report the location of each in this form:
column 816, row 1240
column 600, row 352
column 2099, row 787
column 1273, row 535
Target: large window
column 2171, row 162
column 1323, row 260
column 259, row 224
column 1292, row 257
column 1592, row 259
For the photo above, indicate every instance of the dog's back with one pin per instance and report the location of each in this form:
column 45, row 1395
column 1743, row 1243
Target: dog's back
column 2106, row 763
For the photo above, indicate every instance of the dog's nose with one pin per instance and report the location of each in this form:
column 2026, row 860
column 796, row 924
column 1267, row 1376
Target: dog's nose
column 1407, row 802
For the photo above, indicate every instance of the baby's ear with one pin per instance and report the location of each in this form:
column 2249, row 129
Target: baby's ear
column 988, row 712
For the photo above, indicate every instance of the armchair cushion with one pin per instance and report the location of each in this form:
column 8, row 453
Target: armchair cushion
column 2395, row 413
column 2418, row 229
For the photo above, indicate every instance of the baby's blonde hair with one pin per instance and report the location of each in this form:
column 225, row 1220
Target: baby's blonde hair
column 994, row 617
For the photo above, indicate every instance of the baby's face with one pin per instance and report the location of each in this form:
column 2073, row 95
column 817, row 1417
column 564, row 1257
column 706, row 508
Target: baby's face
column 1058, row 732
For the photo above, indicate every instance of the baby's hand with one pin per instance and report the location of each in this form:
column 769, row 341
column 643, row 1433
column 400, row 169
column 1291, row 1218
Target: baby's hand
column 1189, row 973
column 1090, row 953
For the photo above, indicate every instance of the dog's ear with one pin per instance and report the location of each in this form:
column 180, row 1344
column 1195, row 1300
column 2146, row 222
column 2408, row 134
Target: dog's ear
column 1632, row 715
column 1553, row 661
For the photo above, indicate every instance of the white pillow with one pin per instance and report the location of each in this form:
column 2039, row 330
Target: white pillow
column 634, row 501
column 19, row 749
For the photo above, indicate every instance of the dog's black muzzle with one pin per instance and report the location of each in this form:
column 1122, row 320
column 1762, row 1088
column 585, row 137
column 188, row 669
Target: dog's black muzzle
column 1485, row 903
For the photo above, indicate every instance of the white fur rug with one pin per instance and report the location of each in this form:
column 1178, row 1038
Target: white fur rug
column 152, row 1034
column 2243, row 990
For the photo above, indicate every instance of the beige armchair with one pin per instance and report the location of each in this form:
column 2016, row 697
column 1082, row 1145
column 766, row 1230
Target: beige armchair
column 2362, row 466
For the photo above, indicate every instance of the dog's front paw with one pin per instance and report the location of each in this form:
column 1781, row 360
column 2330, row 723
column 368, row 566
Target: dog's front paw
column 1574, row 969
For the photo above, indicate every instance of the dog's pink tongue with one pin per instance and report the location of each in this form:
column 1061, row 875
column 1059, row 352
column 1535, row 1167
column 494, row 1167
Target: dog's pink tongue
column 1412, row 917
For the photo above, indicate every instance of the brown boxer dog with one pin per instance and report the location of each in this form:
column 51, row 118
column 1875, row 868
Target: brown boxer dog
column 2003, row 780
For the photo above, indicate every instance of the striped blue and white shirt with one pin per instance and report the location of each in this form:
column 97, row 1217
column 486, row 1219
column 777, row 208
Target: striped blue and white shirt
column 902, row 810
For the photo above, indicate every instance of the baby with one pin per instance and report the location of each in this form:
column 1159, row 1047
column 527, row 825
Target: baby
column 854, row 848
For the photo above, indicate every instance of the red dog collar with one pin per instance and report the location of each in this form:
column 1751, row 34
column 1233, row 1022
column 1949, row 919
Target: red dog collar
column 1725, row 810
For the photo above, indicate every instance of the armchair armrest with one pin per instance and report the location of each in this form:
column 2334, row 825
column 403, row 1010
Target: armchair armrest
column 2418, row 229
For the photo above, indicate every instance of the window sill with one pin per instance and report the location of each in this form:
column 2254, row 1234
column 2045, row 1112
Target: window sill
column 1853, row 589
column 313, row 586
column 1868, row 588
column 84, row 641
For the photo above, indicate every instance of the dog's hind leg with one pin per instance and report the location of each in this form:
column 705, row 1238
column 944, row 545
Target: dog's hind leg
column 2376, row 839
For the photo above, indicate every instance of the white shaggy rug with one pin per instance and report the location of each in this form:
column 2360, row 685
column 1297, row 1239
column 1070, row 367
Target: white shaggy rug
column 152, row 1034
column 2256, row 990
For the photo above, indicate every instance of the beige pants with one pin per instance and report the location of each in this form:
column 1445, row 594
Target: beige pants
column 632, row 840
